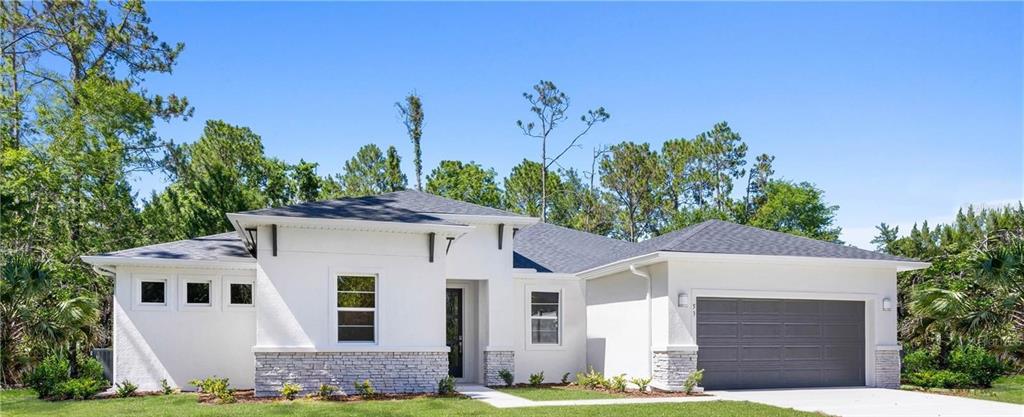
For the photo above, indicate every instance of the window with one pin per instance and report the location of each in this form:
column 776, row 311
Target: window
column 197, row 293
column 544, row 318
column 357, row 308
column 153, row 292
column 240, row 293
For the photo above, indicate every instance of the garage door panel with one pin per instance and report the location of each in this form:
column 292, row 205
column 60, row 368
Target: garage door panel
column 770, row 343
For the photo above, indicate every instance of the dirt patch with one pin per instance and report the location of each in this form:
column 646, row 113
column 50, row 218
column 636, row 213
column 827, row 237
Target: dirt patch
column 633, row 393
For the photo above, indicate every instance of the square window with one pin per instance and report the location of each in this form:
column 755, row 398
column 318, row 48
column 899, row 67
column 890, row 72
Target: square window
column 153, row 292
column 197, row 293
column 240, row 294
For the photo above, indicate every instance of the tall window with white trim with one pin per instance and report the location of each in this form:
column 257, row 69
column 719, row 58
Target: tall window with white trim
column 357, row 308
column 544, row 311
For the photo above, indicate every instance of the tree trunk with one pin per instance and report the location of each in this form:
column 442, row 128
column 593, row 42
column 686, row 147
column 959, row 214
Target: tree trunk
column 543, row 180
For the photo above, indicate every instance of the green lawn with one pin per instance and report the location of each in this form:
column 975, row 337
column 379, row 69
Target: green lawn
column 1008, row 389
column 23, row 403
column 551, row 393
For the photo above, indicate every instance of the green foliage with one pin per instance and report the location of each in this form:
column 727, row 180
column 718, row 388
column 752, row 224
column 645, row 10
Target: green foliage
column 326, row 391
column 626, row 172
column 591, row 379
column 617, row 383
column 537, row 379
column 50, row 373
column 693, row 380
column 289, row 390
column 467, row 182
column 365, row 388
column 125, row 389
column 796, row 209
column 217, row 387
column 308, row 185
column 165, row 387
column 411, row 113
column 446, row 385
column 938, row 379
column 919, row 360
column 507, row 377
column 641, row 383
column 565, row 378
column 370, row 172
column 79, row 388
column 978, row 364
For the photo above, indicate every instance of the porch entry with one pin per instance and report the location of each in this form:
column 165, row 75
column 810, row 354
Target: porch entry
column 453, row 331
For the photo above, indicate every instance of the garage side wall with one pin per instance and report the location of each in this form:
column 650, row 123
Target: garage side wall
column 619, row 332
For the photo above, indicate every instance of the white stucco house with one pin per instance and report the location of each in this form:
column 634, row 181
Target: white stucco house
column 405, row 288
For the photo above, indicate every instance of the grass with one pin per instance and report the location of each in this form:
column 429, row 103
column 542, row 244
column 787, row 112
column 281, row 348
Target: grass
column 1008, row 389
column 15, row 403
column 554, row 393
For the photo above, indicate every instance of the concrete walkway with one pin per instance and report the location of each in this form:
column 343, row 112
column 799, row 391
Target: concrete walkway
column 500, row 399
column 852, row 402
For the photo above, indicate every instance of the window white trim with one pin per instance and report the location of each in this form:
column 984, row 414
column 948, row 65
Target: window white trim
column 213, row 288
column 227, row 280
column 138, row 279
column 332, row 306
column 528, row 314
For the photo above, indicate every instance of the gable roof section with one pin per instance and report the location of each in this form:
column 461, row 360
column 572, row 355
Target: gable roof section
column 219, row 247
column 549, row 248
column 408, row 206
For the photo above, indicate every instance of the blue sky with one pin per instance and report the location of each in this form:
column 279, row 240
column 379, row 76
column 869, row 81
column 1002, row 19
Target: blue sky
column 899, row 111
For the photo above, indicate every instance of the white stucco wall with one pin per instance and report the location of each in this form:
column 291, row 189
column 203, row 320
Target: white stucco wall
column 554, row 360
column 181, row 343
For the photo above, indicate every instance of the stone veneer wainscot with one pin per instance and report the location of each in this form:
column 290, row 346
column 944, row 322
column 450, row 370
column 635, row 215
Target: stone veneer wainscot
column 887, row 367
column 389, row 372
column 671, row 367
column 494, row 362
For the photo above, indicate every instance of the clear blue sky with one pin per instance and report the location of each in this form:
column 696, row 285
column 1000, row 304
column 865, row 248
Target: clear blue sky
column 900, row 112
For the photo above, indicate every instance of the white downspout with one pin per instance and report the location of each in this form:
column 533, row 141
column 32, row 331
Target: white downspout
column 650, row 316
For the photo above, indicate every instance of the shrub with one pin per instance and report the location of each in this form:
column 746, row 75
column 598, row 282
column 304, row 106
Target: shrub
column 978, row 364
column 617, row 383
column 692, row 380
column 165, row 387
column 289, row 390
column 537, row 379
column 918, row 360
column 938, row 379
column 326, row 391
column 446, row 385
column 591, row 379
column 45, row 378
column 641, row 383
column 218, row 387
column 507, row 376
column 565, row 378
column 79, row 388
column 365, row 388
column 125, row 389
column 90, row 368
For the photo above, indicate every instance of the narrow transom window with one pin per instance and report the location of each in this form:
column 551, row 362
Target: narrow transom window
column 357, row 308
column 544, row 317
column 240, row 294
column 153, row 292
column 197, row 293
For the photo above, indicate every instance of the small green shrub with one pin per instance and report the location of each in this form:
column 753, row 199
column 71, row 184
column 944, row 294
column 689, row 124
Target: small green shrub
column 591, row 379
column 641, row 383
column 365, row 388
column 980, row 366
column 45, row 378
column 918, row 361
column 507, row 376
column 90, row 368
column 125, row 389
column 325, row 392
column 79, row 388
column 218, row 387
column 446, row 385
column 692, row 380
column 165, row 388
column 938, row 379
column 537, row 379
column 565, row 378
column 289, row 390
column 617, row 383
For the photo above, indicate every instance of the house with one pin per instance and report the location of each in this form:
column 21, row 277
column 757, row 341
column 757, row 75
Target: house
column 405, row 288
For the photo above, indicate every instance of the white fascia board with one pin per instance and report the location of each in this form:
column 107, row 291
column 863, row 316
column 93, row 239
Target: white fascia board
column 473, row 218
column 619, row 266
column 804, row 260
column 347, row 224
column 100, row 260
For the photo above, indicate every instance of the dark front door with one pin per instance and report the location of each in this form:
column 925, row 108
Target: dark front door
column 761, row 343
column 453, row 329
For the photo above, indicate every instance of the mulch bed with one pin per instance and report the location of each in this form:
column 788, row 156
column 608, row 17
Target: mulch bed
column 249, row 396
column 653, row 393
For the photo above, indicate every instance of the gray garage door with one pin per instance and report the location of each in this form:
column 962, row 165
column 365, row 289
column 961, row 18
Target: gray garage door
column 762, row 343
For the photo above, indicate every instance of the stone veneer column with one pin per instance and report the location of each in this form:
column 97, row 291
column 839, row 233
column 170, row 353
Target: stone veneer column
column 389, row 372
column 494, row 362
column 887, row 367
column 671, row 367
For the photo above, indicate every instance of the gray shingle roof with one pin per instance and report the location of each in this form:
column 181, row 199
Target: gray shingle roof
column 408, row 206
column 220, row 247
column 549, row 248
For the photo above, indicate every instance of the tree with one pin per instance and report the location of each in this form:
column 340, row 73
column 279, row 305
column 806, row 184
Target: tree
column 412, row 117
column 524, row 189
column 757, row 183
column 549, row 105
column 580, row 206
column 627, row 174
column 886, row 236
column 797, row 209
column 467, row 182
column 308, row 184
column 369, row 172
column 721, row 154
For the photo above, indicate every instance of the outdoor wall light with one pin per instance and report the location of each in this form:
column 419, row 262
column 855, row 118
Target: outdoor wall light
column 886, row 304
column 684, row 299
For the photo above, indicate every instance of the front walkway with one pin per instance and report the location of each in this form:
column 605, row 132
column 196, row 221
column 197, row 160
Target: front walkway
column 850, row 402
column 500, row 399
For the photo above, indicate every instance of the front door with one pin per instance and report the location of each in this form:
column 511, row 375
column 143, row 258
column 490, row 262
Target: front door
column 453, row 330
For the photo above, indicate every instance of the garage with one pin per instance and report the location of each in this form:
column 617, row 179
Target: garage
column 747, row 343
